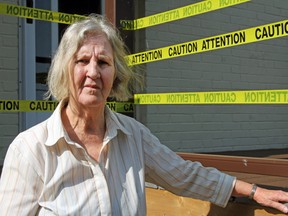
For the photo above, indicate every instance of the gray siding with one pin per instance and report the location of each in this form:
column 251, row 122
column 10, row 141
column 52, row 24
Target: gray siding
column 261, row 65
column 9, row 78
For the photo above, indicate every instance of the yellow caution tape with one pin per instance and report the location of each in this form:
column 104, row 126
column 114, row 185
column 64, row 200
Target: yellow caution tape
column 38, row 14
column 49, row 106
column 123, row 107
column 167, row 16
column 27, row 106
column 218, row 97
column 259, row 33
column 178, row 13
column 250, row 35
column 221, row 97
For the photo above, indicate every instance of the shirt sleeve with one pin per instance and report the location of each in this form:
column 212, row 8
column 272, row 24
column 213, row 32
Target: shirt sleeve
column 19, row 185
column 185, row 178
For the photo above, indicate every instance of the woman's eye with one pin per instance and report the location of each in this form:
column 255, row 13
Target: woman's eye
column 82, row 61
column 101, row 62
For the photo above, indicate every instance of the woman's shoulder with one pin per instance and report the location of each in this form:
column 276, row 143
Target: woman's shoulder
column 132, row 125
column 126, row 120
column 32, row 137
column 29, row 146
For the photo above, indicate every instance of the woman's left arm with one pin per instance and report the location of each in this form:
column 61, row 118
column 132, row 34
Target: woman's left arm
column 265, row 197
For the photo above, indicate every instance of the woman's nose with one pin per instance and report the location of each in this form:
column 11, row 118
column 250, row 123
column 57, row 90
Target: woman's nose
column 93, row 70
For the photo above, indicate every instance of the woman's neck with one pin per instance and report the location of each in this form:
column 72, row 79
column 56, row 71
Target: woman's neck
column 85, row 120
column 86, row 128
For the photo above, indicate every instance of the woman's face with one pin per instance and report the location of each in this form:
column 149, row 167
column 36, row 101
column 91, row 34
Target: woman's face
column 94, row 71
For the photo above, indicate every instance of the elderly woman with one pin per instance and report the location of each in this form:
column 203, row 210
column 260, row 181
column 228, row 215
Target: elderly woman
column 87, row 160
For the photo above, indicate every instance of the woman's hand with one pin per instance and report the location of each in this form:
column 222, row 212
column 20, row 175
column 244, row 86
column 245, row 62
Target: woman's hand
column 272, row 198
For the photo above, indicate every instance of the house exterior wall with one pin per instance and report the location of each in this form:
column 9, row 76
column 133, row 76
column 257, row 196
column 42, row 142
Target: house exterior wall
column 9, row 66
column 190, row 128
column 255, row 66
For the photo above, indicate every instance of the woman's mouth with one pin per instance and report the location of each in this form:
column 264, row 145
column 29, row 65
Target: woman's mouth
column 92, row 86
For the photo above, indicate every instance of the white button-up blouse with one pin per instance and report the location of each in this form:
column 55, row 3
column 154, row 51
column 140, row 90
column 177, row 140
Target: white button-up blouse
column 46, row 173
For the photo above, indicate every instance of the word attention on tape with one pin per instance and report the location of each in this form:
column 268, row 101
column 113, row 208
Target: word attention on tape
column 221, row 97
column 49, row 106
column 178, row 13
column 255, row 34
column 38, row 14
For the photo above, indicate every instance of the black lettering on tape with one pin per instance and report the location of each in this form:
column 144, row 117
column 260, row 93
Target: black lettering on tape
column 9, row 105
column 129, row 107
column 270, row 31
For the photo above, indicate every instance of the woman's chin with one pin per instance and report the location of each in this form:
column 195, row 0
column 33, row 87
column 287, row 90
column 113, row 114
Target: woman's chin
column 92, row 102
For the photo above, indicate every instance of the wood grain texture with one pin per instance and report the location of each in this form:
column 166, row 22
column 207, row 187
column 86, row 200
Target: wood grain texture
column 161, row 202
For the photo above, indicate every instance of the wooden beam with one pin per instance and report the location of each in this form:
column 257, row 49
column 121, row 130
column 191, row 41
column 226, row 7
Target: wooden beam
column 162, row 202
column 110, row 10
column 263, row 166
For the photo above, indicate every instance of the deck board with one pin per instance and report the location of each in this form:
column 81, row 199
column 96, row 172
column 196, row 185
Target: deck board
column 161, row 202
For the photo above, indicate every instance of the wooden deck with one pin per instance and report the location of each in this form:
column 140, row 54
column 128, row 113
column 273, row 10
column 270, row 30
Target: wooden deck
column 269, row 171
column 267, row 180
column 264, row 180
column 161, row 202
